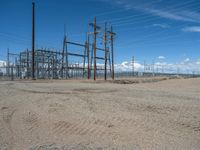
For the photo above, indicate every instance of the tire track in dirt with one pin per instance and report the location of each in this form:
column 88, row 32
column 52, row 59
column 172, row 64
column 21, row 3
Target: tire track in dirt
column 4, row 137
column 70, row 91
column 31, row 121
column 83, row 127
column 123, row 122
column 6, row 132
column 190, row 126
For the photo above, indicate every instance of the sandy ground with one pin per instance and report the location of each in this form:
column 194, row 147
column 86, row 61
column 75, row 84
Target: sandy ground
column 77, row 115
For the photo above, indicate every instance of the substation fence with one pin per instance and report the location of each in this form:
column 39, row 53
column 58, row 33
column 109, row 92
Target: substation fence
column 130, row 74
column 14, row 72
column 74, row 72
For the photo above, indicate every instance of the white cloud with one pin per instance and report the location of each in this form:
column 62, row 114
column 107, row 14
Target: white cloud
column 2, row 66
column 161, row 57
column 192, row 29
column 186, row 66
column 175, row 15
column 127, row 66
column 164, row 26
column 187, row 60
column 160, row 63
column 2, row 63
column 198, row 62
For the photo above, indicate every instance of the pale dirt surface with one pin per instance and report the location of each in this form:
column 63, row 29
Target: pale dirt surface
column 80, row 115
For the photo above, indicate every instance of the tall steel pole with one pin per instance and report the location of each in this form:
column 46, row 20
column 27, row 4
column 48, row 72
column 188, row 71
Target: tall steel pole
column 88, row 55
column 63, row 53
column 105, row 58
column 27, row 63
column 133, row 66
column 153, row 69
column 112, row 51
column 33, row 40
column 66, row 59
column 8, row 63
column 95, row 37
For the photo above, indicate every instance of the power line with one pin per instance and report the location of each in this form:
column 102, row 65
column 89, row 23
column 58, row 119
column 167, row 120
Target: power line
column 122, row 10
column 11, row 37
column 172, row 10
column 138, row 18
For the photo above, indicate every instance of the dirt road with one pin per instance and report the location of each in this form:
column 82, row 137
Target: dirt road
column 44, row 115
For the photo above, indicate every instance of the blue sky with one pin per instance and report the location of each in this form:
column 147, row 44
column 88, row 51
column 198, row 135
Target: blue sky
column 146, row 29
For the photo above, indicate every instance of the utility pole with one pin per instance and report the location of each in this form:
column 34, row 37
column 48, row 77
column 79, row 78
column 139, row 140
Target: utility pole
column 20, row 65
column 162, row 68
column 178, row 70
column 12, row 77
column 33, row 41
column 66, row 59
column 63, row 53
column 144, row 67
column 153, row 68
column 27, row 64
column 96, row 30
column 133, row 67
column 105, row 58
column 95, row 37
column 8, row 63
column 112, row 51
column 88, row 56
column 84, row 57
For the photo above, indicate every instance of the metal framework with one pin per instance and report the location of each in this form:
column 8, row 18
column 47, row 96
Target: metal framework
column 94, row 58
column 106, row 36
